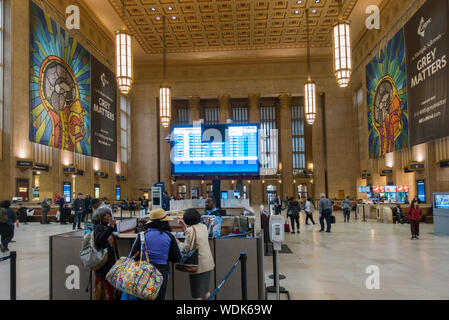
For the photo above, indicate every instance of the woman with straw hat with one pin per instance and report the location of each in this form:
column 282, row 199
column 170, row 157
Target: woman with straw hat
column 161, row 245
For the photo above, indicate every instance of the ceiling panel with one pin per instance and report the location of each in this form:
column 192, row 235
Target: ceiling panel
column 207, row 25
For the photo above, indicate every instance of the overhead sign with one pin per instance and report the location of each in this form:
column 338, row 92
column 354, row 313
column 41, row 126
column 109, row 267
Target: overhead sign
column 24, row 164
column 386, row 172
column 41, row 167
column 426, row 36
column 69, row 170
column 366, row 175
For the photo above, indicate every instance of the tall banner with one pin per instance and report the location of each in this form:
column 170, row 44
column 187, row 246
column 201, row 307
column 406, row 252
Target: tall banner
column 386, row 82
column 104, row 112
column 59, row 86
column 73, row 97
column 427, row 72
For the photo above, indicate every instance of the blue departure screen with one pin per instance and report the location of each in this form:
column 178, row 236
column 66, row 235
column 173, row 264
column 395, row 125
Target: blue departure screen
column 215, row 149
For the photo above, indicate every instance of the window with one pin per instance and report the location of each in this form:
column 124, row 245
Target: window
column 269, row 137
column 125, row 130
column 239, row 110
column 183, row 116
column 298, row 140
column 211, row 115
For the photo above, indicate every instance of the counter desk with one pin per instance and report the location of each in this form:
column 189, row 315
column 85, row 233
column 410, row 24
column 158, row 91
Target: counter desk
column 69, row 280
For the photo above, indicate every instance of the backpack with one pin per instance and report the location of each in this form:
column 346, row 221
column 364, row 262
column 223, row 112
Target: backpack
column 3, row 215
column 91, row 257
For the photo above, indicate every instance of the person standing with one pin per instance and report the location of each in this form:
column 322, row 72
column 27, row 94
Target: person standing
column 45, row 210
column 61, row 203
column 161, row 246
column 7, row 228
column 104, row 227
column 88, row 208
column 309, row 211
column 197, row 238
column 145, row 205
column 325, row 207
column 277, row 205
column 166, row 201
column 79, row 208
column 293, row 212
column 346, row 206
column 414, row 215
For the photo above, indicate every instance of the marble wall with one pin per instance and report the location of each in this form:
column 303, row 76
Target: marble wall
column 265, row 78
column 394, row 15
column 94, row 37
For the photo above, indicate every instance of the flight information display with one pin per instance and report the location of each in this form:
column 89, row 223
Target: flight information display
column 215, row 149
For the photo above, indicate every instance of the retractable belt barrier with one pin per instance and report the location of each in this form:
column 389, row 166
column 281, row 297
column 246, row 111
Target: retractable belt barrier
column 13, row 258
column 242, row 259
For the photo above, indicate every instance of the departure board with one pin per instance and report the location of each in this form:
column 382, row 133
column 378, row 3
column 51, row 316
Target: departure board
column 215, row 149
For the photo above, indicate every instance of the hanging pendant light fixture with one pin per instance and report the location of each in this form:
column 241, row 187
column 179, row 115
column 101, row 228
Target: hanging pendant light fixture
column 342, row 49
column 124, row 57
column 309, row 87
column 165, row 91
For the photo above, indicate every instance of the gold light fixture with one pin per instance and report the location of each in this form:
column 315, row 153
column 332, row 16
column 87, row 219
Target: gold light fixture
column 124, row 57
column 165, row 91
column 309, row 86
column 342, row 49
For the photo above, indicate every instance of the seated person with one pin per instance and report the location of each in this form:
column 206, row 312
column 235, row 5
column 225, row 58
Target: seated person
column 211, row 209
column 397, row 211
column 66, row 212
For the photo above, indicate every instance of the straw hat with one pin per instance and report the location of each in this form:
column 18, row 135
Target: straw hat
column 159, row 214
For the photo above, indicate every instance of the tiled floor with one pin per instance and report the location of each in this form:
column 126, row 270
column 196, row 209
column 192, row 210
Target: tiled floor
column 332, row 266
column 322, row 266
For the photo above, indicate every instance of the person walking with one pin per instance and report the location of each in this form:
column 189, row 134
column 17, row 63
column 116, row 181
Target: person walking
column 277, row 205
column 325, row 207
column 7, row 226
column 104, row 226
column 309, row 211
column 414, row 215
column 45, row 210
column 79, row 208
column 197, row 238
column 346, row 206
column 293, row 212
column 161, row 246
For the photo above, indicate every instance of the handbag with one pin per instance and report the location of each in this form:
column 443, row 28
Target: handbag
column 139, row 279
column 189, row 261
column 333, row 220
column 91, row 257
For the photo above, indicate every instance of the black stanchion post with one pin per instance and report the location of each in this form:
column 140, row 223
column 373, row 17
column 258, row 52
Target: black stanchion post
column 243, row 259
column 13, row 275
column 121, row 213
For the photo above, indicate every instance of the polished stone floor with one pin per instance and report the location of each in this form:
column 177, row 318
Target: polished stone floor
column 322, row 266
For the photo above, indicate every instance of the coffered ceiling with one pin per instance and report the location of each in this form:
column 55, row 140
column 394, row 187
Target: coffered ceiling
column 230, row 25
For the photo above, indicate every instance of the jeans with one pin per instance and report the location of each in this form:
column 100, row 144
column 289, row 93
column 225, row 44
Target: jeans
column 347, row 214
column 77, row 219
column 294, row 219
column 309, row 216
column 326, row 215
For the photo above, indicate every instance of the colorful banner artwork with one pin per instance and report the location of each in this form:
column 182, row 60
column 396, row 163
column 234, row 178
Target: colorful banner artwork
column 426, row 37
column 59, row 86
column 386, row 81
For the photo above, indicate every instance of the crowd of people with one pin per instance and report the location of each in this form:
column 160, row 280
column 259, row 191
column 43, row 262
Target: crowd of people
column 413, row 216
column 161, row 249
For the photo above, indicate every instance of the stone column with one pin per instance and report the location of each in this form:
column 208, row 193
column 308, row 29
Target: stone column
column 225, row 108
column 194, row 115
column 285, row 146
column 254, row 108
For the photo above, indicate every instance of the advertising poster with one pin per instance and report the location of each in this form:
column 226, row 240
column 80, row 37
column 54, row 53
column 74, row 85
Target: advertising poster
column 104, row 112
column 386, row 82
column 59, row 86
column 427, row 72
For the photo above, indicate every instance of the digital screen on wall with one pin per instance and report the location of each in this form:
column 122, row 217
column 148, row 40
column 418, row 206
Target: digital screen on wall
column 390, row 189
column 442, row 201
column 421, row 190
column 67, row 190
column 215, row 149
